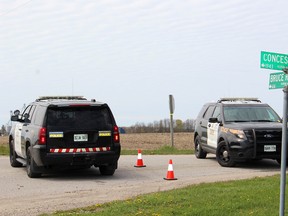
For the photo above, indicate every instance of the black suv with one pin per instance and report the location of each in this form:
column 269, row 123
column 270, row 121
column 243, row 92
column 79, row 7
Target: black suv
column 238, row 129
column 64, row 132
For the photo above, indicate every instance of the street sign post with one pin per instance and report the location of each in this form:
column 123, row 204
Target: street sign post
column 277, row 61
column 273, row 61
column 278, row 80
column 172, row 108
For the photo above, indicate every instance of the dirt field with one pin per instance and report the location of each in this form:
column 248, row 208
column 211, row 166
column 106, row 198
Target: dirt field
column 3, row 140
column 147, row 141
column 151, row 141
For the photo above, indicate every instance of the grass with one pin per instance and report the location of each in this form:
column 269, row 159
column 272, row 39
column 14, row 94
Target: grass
column 4, row 150
column 258, row 196
column 164, row 150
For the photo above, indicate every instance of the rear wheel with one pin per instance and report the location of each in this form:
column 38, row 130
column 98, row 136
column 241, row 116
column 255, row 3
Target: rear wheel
column 107, row 169
column 13, row 155
column 223, row 155
column 199, row 152
column 31, row 166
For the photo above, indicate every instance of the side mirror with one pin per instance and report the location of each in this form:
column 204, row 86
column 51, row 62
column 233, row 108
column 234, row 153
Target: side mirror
column 213, row 120
column 14, row 118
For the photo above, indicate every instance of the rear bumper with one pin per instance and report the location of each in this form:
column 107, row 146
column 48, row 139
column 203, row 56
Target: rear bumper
column 42, row 158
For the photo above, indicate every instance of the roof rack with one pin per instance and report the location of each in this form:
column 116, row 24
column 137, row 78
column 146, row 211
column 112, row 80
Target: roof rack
column 232, row 99
column 46, row 98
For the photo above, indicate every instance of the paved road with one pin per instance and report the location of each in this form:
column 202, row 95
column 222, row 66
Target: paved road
column 21, row 195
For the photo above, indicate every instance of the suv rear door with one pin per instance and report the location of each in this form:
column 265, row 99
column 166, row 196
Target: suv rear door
column 72, row 128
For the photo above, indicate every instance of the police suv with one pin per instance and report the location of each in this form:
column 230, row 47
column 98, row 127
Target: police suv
column 57, row 132
column 238, row 129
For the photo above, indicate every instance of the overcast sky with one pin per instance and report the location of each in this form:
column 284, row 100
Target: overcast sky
column 133, row 53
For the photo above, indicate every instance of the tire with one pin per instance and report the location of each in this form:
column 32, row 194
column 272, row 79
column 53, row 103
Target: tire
column 279, row 161
column 223, row 155
column 107, row 170
column 31, row 166
column 199, row 152
column 13, row 155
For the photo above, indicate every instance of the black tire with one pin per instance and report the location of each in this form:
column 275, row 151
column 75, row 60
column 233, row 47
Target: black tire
column 13, row 155
column 279, row 161
column 107, row 170
column 31, row 166
column 223, row 155
column 199, row 152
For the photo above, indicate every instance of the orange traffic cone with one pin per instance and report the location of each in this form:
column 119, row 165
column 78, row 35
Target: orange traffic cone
column 139, row 160
column 170, row 172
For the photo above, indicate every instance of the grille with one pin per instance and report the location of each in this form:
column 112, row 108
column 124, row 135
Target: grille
column 260, row 138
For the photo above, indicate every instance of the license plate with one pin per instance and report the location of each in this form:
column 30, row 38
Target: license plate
column 269, row 148
column 80, row 137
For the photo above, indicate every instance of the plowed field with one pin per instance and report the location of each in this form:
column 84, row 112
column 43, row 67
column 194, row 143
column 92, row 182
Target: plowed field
column 147, row 141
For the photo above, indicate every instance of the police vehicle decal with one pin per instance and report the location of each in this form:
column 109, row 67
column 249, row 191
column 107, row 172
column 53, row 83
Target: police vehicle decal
column 56, row 135
column 212, row 133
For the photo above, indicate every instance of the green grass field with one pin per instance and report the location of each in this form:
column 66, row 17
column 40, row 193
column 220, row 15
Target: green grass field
column 258, row 196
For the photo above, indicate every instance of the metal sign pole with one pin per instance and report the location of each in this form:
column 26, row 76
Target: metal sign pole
column 171, row 130
column 172, row 108
column 283, row 153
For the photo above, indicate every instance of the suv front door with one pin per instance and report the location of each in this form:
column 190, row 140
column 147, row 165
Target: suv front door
column 26, row 120
column 204, row 123
column 213, row 129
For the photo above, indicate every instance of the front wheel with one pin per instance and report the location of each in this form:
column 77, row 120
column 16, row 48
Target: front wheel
column 223, row 155
column 279, row 161
column 13, row 155
column 31, row 166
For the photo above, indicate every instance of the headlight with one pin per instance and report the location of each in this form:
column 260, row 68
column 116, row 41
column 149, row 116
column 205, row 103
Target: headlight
column 238, row 133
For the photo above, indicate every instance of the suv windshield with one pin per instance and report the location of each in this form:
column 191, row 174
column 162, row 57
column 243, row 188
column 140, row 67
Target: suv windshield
column 250, row 114
column 85, row 117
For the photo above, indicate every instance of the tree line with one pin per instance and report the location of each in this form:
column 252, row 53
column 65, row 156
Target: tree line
column 162, row 126
column 3, row 131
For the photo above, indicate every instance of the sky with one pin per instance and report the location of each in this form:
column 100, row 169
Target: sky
column 133, row 54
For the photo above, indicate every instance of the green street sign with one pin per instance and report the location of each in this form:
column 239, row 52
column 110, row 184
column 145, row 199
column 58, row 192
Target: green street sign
column 278, row 80
column 273, row 61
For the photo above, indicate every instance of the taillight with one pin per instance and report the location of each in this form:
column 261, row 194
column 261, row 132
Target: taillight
column 116, row 134
column 42, row 136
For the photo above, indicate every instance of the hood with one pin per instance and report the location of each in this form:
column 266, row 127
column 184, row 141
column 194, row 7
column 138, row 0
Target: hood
column 254, row 125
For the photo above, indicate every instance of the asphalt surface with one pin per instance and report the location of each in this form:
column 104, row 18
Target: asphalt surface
column 21, row 195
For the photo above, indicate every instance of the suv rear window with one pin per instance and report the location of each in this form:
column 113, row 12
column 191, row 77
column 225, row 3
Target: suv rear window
column 79, row 117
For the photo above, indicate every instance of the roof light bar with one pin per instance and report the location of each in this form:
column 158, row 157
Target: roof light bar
column 239, row 99
column 42, row 98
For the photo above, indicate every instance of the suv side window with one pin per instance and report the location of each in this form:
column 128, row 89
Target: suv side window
column 40, row 113
column 28, row 113
column 208, row 112
column 216, row 113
